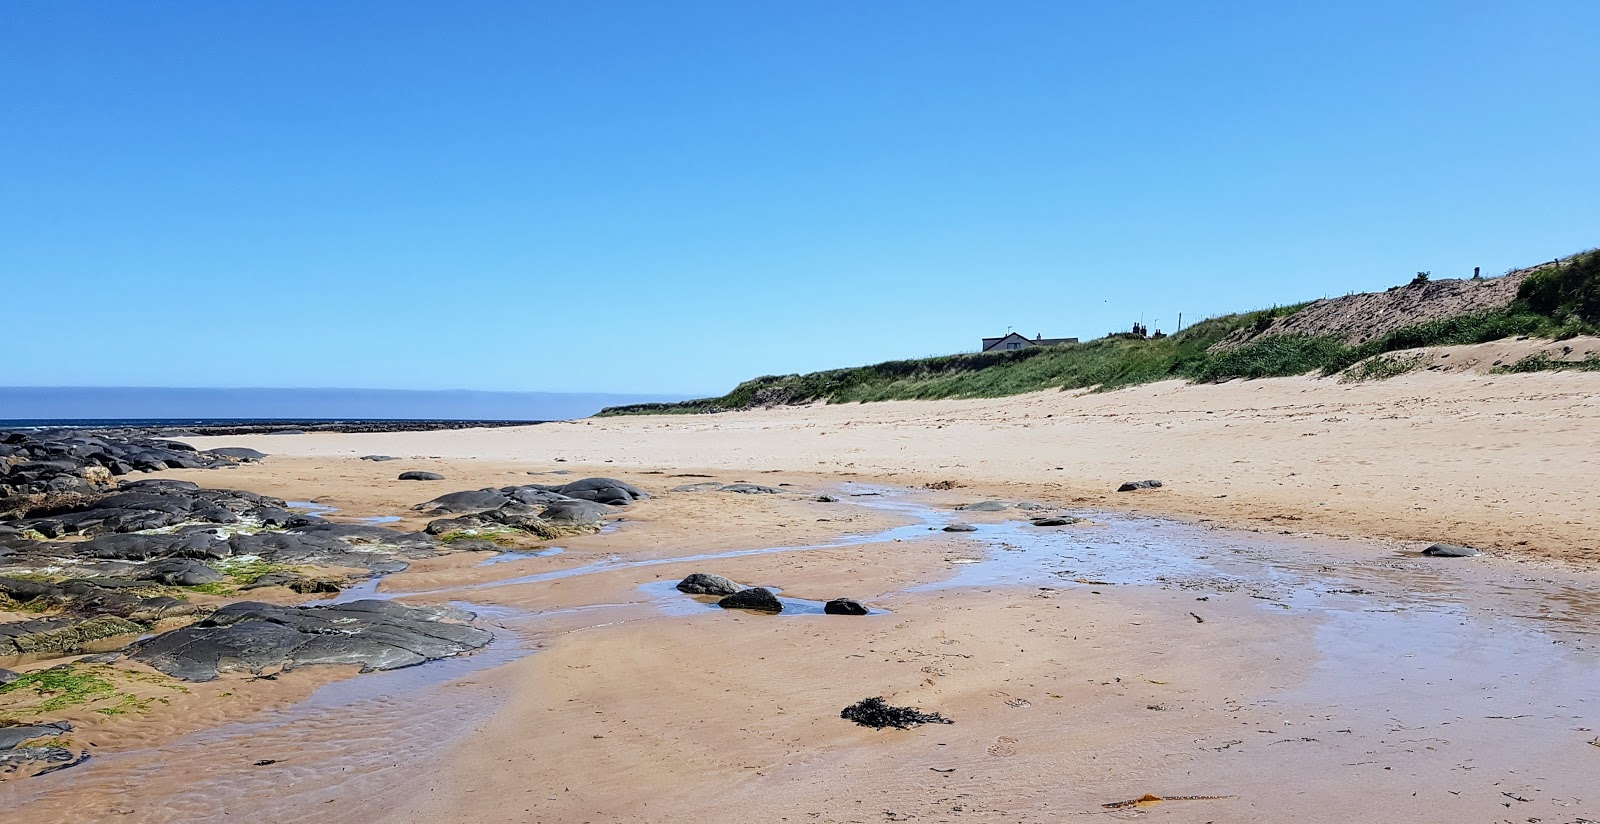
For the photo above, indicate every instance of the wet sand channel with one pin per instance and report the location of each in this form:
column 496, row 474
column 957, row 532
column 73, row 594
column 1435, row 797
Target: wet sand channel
column 1278, row 677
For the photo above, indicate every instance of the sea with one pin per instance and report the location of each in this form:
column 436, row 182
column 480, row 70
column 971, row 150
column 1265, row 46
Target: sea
column 98, row 406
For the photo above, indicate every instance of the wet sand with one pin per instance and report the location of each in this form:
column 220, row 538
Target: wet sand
column 1306, row 676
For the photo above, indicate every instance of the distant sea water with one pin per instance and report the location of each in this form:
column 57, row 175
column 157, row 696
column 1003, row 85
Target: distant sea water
column 158, row 406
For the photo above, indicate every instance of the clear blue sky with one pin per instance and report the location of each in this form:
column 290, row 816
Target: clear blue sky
column 670, row 197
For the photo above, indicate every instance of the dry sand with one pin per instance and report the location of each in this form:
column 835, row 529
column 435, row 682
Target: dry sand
column 1309, row 677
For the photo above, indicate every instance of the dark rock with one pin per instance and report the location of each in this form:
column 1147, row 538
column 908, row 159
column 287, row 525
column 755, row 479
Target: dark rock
column 985, row 506
column 707, row 486
column 238, row 453
column 379, row 458
column 472, row 500
column 61, row 634
column 254, row 637
column 1132, row 485
column 758, row 599
column 603, row 490
column 844, row 606
column 875, row 713
column 961, row 528
column 182, row 572
column 1056, row 520
column 827, row 499
column 701, row 583
column 7, row 676
column 751, row 489
column 11, row 737
column 417, row 475
column 576, row 512
column 1450, row 551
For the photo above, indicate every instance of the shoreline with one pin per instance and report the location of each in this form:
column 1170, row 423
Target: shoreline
column 1500, row 462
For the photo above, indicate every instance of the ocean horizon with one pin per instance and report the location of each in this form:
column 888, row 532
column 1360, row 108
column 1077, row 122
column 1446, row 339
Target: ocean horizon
column 100, row 405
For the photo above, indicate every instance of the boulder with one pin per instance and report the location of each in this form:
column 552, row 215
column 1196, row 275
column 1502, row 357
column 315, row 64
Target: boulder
column 418, row 475
column 1132, row 485
column 701, row 583
column 576, row 512
column 844, row 606
column 1056, row 520
column 961, row 528
column 1450, row 551
column 603, row 490
column 756, row 599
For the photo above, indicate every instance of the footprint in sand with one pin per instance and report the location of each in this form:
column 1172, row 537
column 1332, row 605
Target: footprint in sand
column 1002, row 747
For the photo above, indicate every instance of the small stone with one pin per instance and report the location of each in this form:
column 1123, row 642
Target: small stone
column 1132, row 485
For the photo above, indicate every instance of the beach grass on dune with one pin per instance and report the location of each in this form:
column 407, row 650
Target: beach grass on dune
column 1556, row 303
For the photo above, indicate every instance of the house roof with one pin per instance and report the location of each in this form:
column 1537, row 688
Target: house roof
column 990, row 343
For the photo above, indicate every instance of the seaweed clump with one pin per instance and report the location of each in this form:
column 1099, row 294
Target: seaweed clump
column 875, row 713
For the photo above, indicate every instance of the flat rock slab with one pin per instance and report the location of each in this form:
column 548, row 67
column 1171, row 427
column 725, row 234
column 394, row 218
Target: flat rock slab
column 961, row 528
column 1058, row 520
column 253, row 637
column 416, row 475
column 1450, row 551
column 985, row 506
column 750, row 489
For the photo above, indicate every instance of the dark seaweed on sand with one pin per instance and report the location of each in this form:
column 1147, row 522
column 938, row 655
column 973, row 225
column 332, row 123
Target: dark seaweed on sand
column 874, row 713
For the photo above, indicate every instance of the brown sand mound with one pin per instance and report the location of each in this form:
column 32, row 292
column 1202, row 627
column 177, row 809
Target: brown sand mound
column 1362, row 317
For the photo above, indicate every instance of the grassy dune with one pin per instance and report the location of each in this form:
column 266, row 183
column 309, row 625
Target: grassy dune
column 1556, row 303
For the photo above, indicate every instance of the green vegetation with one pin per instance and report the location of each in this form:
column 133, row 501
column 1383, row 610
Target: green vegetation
column 504, row 536
column 59, row 687
column 245, row 569
column 38, row 695
column 1544, row 363
column 1555, row 303
column 1382, row 368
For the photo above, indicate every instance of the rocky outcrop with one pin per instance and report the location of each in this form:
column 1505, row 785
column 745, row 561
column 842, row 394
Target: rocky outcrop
column 603, row 490
column 45, row 470
column 255, row 637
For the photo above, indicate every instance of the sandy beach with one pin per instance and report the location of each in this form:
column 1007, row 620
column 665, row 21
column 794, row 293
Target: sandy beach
column 1257, row 640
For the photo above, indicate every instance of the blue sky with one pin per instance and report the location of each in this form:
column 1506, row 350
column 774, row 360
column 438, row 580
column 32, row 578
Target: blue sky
column 671, row 197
